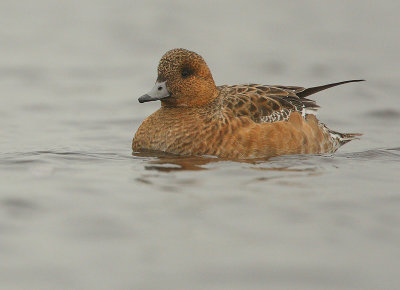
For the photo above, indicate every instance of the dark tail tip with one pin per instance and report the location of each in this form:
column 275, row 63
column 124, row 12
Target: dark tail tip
column 313, row 90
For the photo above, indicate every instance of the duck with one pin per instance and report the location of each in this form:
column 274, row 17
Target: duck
column 198, row 118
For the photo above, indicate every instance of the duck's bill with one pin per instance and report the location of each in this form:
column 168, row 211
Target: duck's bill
column 158, row 92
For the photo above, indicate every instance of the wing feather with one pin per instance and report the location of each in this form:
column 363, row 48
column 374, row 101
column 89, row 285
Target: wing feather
column 263, row 103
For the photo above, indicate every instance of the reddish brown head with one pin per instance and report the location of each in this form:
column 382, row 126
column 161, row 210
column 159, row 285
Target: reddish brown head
column 184, row 80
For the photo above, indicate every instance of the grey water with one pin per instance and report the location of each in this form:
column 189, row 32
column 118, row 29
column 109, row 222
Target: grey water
column 79, row 211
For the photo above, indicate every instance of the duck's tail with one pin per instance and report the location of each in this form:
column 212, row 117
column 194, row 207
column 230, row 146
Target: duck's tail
column 344, row 138
column 338, row 138
column 313, row 90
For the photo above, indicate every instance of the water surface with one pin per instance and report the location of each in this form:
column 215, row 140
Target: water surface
column 79, row 211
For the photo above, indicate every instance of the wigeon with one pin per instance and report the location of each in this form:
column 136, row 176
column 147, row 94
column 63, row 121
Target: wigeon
column 240, row 121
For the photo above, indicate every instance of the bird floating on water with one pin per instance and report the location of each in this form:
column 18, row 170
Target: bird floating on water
column 239, row 121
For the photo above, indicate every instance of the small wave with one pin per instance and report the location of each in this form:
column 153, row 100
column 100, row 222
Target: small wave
column 384, row 114
column 375, row 154
column 43, row 155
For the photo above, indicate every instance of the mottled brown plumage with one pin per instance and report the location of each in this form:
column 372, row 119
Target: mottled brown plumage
column 240, row 121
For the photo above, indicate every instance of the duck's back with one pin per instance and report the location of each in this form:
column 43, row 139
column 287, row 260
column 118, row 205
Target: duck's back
column 275, row 104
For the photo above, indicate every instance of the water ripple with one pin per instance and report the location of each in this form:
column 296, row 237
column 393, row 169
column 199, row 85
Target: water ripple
column 40, row 156
column 166, row 163
column 390, row 154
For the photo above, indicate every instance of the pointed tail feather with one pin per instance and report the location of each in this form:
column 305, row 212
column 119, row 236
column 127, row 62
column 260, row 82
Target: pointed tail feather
column 314, row 90
column 345, row 137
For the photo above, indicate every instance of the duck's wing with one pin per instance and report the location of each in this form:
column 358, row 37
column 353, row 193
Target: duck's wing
column 264, row 103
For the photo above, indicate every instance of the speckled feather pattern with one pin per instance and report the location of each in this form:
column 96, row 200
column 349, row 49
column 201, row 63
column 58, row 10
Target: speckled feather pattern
column 240, row 121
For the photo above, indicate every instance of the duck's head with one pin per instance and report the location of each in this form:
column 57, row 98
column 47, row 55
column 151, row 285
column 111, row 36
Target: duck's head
column 184, row 80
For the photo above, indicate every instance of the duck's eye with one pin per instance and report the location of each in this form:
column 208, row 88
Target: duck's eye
column 186, row 72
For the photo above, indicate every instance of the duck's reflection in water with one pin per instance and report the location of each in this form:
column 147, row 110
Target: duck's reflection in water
column 166, row 162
